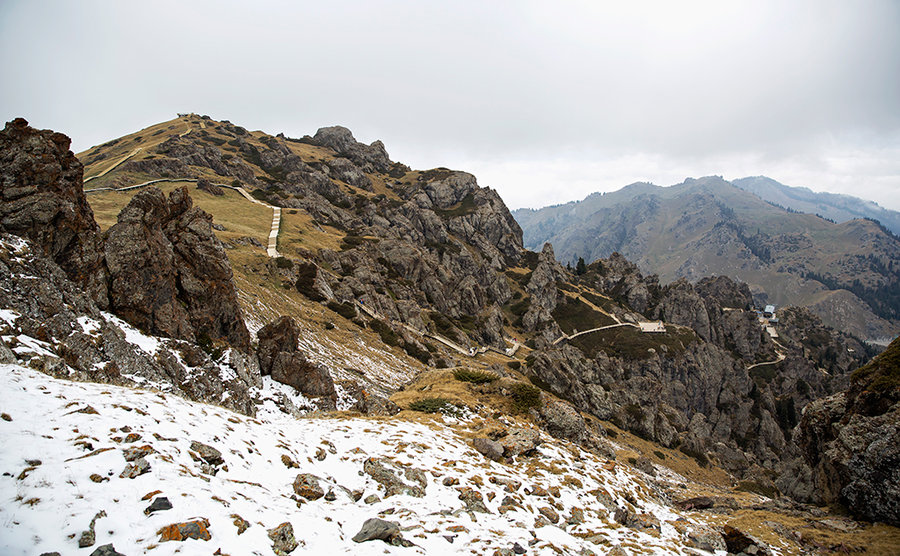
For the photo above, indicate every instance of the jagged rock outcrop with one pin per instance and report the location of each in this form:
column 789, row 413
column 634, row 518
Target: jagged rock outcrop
column 280, row 357
column 168, row 272
column 623, row 280
column 852, row 441
column 43, row 200
column 544, row 296
column 57, row 328
column 720, row 391
column 371, row 158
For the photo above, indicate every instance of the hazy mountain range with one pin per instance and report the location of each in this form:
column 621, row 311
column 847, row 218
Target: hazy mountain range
column 844, row 269
column 833, row 206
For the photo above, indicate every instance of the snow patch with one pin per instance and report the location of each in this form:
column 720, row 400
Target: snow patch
column 148, row 344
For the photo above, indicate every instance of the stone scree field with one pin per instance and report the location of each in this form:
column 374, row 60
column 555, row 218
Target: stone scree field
column 75, row 451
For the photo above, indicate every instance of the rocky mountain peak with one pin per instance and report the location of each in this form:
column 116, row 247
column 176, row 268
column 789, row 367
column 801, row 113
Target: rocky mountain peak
column 371, row 158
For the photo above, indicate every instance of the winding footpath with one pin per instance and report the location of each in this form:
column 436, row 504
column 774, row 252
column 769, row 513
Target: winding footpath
column 583, row 332
column 114, row 166
column 271, row 248
column 781, row 357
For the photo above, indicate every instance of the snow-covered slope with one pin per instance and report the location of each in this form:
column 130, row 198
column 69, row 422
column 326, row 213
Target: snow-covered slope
column 65, row 448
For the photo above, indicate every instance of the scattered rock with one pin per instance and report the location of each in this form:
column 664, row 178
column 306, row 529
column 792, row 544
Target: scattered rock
column 473, row 500
column 135, row 469
column 150, row 495
column 450, row 481
column 520, row 441
column 88, row 537
column 279, row 357
column 204, row 184
column 737, row 542
column 371, row 499
column 394, row 478
column 378, row 529
column 207, row 453
column 132, row 437
column 696, row 503
column 241, row 523
column 5, row 416
column 194, row 529
column 282, row 537
column 106, row 550
column 159, row 504
column 644, row 464
column 306, row 485
column 576, row 516
column 510, row 485
column 550, row 514
column 98, row 478
column 136, row 452
column 705, row 538
column 489, row 448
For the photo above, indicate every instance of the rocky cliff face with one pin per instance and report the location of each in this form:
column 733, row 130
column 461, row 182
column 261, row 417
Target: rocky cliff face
column 852, row 441
column 51, row 324
column 715, row 385
column 168, row 272
column 42, row 199
column 160, row 267
column 425, row 252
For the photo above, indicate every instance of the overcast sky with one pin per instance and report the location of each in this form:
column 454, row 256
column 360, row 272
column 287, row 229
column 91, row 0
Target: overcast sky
column 544, row 101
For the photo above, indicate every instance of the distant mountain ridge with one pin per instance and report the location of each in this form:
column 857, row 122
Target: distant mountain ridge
column 845, row 272
column 833, row 206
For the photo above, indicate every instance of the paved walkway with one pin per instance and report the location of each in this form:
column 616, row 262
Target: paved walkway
column 271, row 249
column 145, row 184
column 781, row 357
column 108, row 170
column 577, row 334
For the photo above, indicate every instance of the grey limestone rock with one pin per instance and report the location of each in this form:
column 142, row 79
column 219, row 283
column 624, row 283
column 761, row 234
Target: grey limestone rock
column 280, row 357
column 282, row 537
column 488, row 448
column 377, row 529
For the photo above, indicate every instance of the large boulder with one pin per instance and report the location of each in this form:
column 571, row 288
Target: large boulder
column 43, row 200
column 168, row 272
column 279, row 357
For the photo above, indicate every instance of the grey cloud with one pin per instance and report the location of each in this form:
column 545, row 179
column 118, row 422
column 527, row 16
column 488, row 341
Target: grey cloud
column 595, row 84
